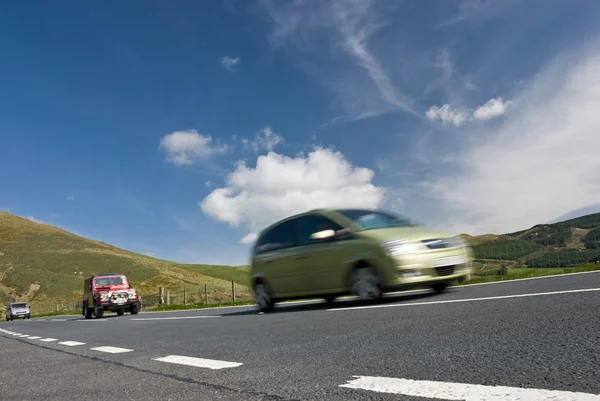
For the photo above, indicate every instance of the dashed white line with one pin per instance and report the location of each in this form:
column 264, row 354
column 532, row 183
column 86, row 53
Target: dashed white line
column 47, row 340
column 58, row 320
column 451, row 301
column 71, row 343
column 34, row 338
column 460, row 391
column 175, row 317
column 111, row 350
column 198, row 362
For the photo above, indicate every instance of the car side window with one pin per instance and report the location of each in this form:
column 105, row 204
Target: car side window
column 308, row 225
column 279, row 237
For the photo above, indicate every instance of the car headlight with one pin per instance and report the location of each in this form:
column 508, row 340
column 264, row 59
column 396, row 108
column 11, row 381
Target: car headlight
column 400, row 247
column 131, row 294
column 104, row 297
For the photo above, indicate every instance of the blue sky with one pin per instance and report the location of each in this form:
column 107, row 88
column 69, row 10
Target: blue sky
column 180, row 130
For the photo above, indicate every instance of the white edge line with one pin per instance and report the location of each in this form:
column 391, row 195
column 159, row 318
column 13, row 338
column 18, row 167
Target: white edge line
column 198, row 362
column 34, row 338
column 71, row 343
column 451, row 301
column 528, row 278
column 47, row 340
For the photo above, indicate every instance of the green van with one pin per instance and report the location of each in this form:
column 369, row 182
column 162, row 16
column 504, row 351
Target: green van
column 328, row 253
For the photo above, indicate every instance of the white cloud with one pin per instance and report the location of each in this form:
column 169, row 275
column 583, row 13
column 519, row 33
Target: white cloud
column 249, row 238
column 492, row 108
column 208, row 184
column 265, row 139
column 447, row 115
column 186, row 147
column 34, row 219
column 345, row 25
column 280, row 186
column 229, row 62
column 540, row 162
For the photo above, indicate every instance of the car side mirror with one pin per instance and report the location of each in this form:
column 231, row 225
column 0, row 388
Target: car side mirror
column 325, row 234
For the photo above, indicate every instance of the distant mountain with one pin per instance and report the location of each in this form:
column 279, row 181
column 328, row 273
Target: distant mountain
column 40, row 263
column 562, row 244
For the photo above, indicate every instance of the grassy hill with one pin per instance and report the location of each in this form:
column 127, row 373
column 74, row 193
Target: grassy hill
column 563, row 244
column 43, row 264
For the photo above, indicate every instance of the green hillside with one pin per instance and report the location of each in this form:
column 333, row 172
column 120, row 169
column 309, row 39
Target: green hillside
column 563, row 244
column 43, row 264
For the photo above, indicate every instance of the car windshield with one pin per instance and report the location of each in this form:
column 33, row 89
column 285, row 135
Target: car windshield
column 15, row 306
column 106, row 281
column 369, row 219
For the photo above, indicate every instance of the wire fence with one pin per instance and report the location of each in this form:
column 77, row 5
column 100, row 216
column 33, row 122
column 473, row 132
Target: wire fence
column 553, row 250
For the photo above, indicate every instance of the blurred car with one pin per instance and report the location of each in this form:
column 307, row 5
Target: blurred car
column 328, row 253
column 18, row 310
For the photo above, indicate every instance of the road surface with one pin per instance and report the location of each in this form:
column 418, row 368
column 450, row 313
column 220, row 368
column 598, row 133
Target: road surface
column 525, row 339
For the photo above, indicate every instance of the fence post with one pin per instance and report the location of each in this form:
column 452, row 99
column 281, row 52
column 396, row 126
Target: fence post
column 168, row 297
column 161, row 295
column 184, row 296
column 205, row 294
column 233, row 290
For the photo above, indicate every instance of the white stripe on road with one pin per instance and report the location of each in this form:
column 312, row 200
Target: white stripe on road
column 460, row 391
column 175, row 317
column 47, row 340
column 70, row 343
column 198, row 362
column 58, row 320
column 451, row 301
column 24, row 336
column 34, row 338
column 111, row 350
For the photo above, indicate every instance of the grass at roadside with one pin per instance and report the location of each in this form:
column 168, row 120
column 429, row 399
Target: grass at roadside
column 530, row 272
column 197, row 306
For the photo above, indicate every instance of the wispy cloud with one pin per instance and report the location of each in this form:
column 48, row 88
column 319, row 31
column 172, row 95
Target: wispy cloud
column 229, row 63
column 456, row 116
column 478, row 9
column 70, row 198
column 536, row 164
column 265, row 139
column 345, row 25
column 187, row 147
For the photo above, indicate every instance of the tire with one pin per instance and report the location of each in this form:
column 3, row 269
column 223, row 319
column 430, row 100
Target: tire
column 120, row 312
column 134, row 309
column 98, row 311
column 263, row 297
column 87, row 312
column 365, row 283
column 439, row 287
column 330, row 299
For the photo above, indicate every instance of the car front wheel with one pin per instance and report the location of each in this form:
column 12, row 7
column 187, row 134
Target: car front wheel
column 439, row 287
column 364, row 283
column 98, row 311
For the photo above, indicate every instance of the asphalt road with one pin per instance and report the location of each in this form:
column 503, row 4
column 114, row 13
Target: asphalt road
column 528, row 336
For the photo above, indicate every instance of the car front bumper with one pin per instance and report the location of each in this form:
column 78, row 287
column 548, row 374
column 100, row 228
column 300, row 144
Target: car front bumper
column 116, row 306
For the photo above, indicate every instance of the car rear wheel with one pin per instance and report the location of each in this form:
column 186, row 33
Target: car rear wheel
column 365, row 283
column 263, row 297
column 87, row 312
column 439, row 287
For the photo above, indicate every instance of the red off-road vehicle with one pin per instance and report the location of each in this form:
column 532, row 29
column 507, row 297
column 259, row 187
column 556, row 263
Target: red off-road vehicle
column 110, row 292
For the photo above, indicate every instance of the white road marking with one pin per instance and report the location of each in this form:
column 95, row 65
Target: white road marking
column 47, row 340
column 529, row 278
column 451, row 301
column 34, row 338
column 198, row 362
column 58, row 320
column 70, row 343
column 111, row 350
column 174, row 317
column 460, row 391
column 24, row 336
